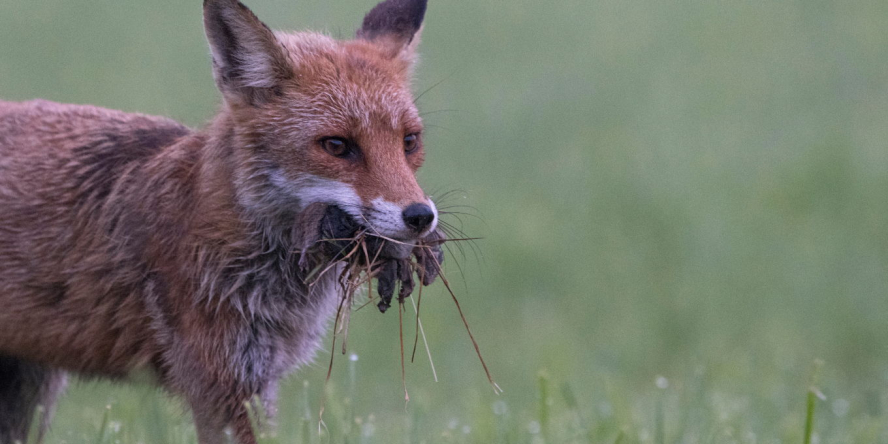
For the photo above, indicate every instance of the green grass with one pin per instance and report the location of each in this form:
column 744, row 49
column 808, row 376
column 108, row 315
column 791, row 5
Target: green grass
column 682, row 202
column 699, row 408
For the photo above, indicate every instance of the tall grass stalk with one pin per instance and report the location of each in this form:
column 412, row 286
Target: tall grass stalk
column 543, row 387
column 103, row 428
column 660, row 425
column 306, row 418
column 811, row 404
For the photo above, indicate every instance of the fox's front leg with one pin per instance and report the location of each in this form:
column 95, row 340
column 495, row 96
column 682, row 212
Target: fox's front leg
column 230, row 413
column 210, row 426
column 209, row 430
column 219, row 395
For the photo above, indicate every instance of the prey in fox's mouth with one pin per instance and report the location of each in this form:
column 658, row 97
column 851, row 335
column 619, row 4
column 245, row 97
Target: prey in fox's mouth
column 392, row 262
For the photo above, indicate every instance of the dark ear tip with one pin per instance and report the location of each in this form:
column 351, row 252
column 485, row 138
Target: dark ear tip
column 220, row 3
column 211, row 4
column 398, row 17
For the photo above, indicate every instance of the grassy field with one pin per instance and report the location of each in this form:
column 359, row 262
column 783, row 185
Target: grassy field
column 683, row 206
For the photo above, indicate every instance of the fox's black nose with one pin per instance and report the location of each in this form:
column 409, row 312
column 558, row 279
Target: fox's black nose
column 418, row 217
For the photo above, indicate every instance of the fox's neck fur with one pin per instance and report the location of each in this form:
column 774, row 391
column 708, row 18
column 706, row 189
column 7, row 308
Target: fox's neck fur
column 243, row 256
column 242, row 242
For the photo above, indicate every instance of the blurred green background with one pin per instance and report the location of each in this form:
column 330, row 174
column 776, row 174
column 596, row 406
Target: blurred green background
column 683, row 205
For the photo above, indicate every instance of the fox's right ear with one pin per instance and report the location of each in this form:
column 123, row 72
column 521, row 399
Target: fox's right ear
column 249, row 64
column 395, row 25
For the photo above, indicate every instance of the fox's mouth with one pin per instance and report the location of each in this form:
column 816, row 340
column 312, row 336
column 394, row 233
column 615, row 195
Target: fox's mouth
column 340, row 229
column 391, row 262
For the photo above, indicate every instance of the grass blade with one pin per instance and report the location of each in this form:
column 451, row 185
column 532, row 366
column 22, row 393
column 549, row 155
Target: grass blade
column 424, row 340
column 496, row 387
column 104, row 427
column 811, row 404
column 543, row 387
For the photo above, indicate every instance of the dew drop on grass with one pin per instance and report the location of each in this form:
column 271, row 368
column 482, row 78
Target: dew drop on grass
column 751, row 437
column 840, row 407
column 353, row 357
column 500, row 408
column 662, row 382
column 368, row 430
column 605, row 409
column 533, row 427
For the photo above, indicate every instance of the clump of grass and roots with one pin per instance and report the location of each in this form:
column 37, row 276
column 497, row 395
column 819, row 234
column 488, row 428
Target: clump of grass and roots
column 362, row 257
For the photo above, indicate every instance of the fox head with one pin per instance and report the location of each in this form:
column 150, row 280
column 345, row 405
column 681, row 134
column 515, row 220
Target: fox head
column 312, row 119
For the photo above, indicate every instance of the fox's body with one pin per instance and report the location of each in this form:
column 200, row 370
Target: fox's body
column 131, row 243
column 106, row 207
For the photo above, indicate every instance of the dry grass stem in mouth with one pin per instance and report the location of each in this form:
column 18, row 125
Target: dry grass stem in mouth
column 496, row 387
column 362, row 260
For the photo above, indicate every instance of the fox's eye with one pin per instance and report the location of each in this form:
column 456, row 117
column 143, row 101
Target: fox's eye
column 336, row 147
column 411, row 143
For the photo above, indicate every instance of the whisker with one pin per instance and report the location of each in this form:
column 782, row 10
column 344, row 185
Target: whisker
column 458, row 266
column 429, row 113
column 435, row 85
column 429, row 125
column 476, row 250
column 459, row 247
column 449, row 210
column 448, row 194
column 456, row 233
column 457, row 217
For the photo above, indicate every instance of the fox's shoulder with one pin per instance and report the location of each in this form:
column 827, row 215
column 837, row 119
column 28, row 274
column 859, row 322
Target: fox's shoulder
column 42, row 124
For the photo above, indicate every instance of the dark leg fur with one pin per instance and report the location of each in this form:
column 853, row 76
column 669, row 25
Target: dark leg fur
column 23, row 387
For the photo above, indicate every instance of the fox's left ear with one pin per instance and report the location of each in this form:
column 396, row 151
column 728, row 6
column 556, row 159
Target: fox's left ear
column 248, row 62
column 395, row 25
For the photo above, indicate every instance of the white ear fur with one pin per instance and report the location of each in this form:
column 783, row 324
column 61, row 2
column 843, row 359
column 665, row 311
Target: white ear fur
column 247, row 58
column 410, row 52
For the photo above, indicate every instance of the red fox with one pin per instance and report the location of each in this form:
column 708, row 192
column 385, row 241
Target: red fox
column 130, row 242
